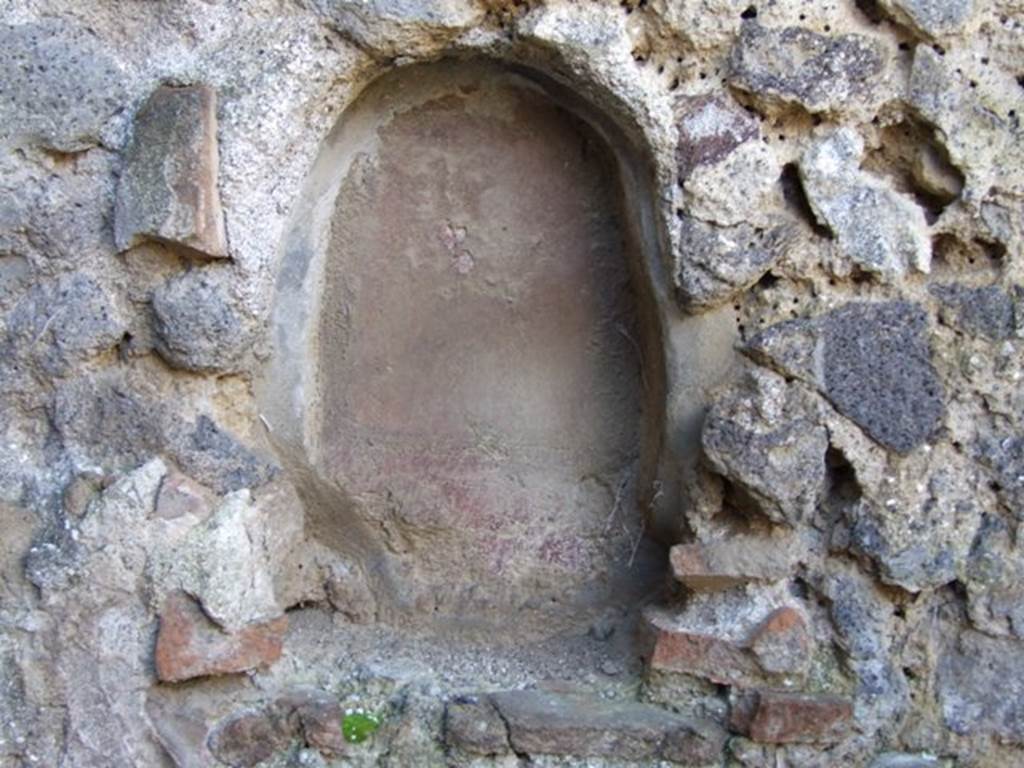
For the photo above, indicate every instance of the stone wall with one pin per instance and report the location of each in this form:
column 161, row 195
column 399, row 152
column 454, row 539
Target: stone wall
column 822, row 208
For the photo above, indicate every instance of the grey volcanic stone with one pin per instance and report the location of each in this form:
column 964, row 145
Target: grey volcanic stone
column 871, row 360
column 878, row 229
column 715, row 263
column 198, row 326
column 214, row 457
column 987, row 312
column 541, row 723
column 904, row 760
column 981, row 687
column 1003, row 455
column 710, row 127
column 930, row 18
column 64, row 322
column 105, row 421
column 763, row 436
column 797, row 66
column 58, row 85
column 168, row 190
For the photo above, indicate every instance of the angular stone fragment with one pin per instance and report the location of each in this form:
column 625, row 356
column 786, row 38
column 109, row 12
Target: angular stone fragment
column 188, row 645
column 198, row 326
column 168, row 188
column 216, row 458
column 227, row 564
column 981, row 687
column 58, row 85
column 62, row 323
column 797, row 66
column 782, row 644
column 180, row 495
column 930, row 18
column 724, row 563
column 473, row 725
column 541, row 723
column 987, row 312
column 784, row 717
column 716, row 263
column 735, row 189
column 710, row 127
column 877, row 228
column 400, row 28
column 871, row 360
column 919, row 532
column 762, row 436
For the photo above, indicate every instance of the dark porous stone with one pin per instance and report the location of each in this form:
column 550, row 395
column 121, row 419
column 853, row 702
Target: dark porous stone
column 797, row 66
column 987, row 312
column 715, row 263
column 198, row 326
column 541, row 723
column 878, row 372
column 710, row 127
column 871, row 360
column 981, row 687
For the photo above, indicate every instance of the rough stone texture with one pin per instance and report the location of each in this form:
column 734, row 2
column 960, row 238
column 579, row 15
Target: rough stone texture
column 63, row 323
column 783, row 717
column 168, row 188
column 105, row 420
column 878, row 229
column 715, row 263
column 981, row 686
column 198, row 326
column 60, row 85
column 188, row 645
column 734, row 560
column 821, row 73
column 557, row 724
column 931, row 18
column 988, row 312
column 161, row 417
column 871, row 360
column 761, row 436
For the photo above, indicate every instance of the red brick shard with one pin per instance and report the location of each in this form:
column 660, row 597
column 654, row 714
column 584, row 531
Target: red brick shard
column 713, row 658
column 783, row 717
column 189, row 645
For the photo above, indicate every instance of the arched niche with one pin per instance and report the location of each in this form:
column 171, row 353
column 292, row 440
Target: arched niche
column 467, row 384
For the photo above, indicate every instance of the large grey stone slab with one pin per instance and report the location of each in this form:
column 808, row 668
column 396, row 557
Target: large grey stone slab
column 168, row 188
column 541, row 723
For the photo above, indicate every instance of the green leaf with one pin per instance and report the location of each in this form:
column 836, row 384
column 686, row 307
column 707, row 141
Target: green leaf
column 357, row 727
